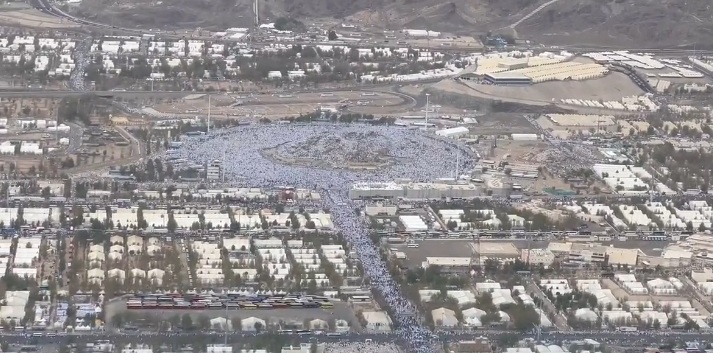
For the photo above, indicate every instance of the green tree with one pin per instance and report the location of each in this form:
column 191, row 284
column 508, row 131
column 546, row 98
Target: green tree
column 258, row 326
column 186, row 321
column 524, row 317
column 171, row 225
column 204, row 322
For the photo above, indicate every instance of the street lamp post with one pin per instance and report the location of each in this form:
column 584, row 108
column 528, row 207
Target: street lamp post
column 427, row 95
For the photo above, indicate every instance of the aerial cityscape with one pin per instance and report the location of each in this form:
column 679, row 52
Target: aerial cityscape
column 386, row 177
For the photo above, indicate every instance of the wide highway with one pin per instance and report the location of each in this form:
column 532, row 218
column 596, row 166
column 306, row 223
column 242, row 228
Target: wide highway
column 386, row 88
column 607, row 337
column 14, row 93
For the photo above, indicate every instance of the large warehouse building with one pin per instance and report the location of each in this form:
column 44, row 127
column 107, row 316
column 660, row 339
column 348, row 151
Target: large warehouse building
column 563, row 71
column 506, row 78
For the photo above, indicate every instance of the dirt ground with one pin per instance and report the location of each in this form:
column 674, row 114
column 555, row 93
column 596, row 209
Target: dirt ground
column 524, row 153
column 614, row 86
column 502, row 124
column 22, row 164
column 459, row 42
column 548, row 181
column 284, row 105
column 537, row 206
column 518, row 151
column 33, row 18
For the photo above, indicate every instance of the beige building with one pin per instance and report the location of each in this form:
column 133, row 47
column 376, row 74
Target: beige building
column 377, row 321
column 620, row 256
column 119, row 120
column 451, row 265
column 595, row 253
column 537, row 257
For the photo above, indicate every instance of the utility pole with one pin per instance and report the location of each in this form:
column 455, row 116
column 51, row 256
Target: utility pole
column 256, row 10
column 476, row 240
column 208, row 129
column 225, row 335
column 427, row 94
column 694, row 50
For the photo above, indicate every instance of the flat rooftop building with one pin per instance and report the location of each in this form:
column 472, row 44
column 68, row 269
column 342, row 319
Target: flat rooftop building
column 506, row 78
column 498, row 250
column 454, row 265
column 214, row 170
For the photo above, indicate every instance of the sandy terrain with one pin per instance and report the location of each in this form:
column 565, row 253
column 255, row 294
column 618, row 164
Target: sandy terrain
column 286, row 105
column 611, row 87
column 33, row 18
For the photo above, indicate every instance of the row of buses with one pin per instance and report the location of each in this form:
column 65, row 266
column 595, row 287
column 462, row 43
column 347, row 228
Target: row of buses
column 228, row 301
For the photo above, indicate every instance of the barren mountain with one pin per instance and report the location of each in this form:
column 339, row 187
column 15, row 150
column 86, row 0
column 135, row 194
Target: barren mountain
column 652, row 23
column 639, row 23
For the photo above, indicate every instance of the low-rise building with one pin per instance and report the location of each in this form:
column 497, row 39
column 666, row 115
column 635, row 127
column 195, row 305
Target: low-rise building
column 542, row 257
column 450, row 265
column 377, row 321
column 444, row 318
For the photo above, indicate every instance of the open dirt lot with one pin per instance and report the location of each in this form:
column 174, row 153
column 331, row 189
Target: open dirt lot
column 524, row 153
column 519, row 151
column 497, row 249
column 463, row 42
column 502, row 123
column 285, row 105
column 33, row 18
column 614, row 86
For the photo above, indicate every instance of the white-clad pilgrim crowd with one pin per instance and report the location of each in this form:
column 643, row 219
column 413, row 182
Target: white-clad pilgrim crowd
column 419, row 157
column 361, row 347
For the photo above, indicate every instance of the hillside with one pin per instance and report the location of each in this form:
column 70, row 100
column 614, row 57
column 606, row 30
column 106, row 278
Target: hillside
column 638, row 23
column 653, row 23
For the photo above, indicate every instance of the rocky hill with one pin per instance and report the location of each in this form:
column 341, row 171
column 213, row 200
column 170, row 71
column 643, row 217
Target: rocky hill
column 638, row 23
column 652, row 23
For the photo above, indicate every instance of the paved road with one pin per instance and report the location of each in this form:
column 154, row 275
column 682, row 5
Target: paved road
column 389, row 87
column 609, row 338
column 138, row 151
column 108, row 94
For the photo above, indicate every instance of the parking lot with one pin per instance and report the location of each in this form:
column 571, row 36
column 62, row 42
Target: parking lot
column 340, row 311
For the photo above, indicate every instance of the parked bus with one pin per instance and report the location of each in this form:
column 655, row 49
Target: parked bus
column 360, row 298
